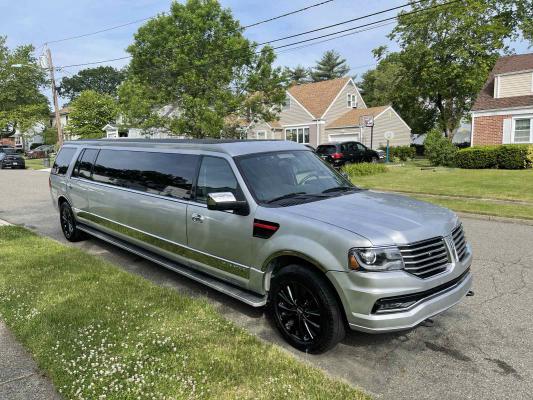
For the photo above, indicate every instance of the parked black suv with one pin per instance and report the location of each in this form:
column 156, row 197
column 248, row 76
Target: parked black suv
column 10, row 158
column 341, row 153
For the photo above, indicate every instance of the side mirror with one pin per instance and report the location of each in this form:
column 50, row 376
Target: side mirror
column 226, row 201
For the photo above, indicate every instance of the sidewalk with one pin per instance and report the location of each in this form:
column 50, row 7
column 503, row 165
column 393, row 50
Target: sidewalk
column 20, row 378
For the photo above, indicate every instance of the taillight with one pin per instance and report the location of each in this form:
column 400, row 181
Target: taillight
column 336, row 156
column 264, row 229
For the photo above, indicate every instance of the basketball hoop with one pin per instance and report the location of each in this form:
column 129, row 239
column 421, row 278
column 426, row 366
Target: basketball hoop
column 367, row 121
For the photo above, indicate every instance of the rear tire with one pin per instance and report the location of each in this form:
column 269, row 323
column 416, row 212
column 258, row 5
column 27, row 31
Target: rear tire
column 68, row 224
column 305, row 309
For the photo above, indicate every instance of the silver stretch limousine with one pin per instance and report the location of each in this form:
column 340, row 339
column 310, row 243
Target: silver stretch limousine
column 268, row 222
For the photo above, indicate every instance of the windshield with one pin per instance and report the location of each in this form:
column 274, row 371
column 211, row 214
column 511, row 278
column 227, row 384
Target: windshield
column 278, row 176
column 326, row 149
column 9, row 151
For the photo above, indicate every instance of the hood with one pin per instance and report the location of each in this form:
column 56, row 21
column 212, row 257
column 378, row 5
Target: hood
column 382, row 218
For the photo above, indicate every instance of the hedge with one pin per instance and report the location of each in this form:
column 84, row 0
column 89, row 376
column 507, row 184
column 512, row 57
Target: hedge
column 363, row 169
column 477, row 157
column 513, row 156
column 404, row 153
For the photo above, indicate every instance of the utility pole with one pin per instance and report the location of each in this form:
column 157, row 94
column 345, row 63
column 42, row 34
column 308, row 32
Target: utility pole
column 54, row 94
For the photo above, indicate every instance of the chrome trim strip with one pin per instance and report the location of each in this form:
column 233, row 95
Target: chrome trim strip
column 219, row 285
column 167, row 245
column 174, row 199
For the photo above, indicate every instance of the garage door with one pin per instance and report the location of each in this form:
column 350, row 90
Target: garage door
column 343, row 137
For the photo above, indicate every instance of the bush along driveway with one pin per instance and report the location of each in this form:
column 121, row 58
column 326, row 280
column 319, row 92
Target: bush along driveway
column 505, row 193
column 100, row 332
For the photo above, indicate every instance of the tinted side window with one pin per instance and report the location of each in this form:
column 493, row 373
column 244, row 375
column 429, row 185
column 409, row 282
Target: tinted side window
column 164, row 174
column 84, row 165
column 63, row 160
column 215, row 176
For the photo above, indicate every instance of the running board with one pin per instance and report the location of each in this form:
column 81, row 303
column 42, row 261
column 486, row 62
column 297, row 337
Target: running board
column 243, row 295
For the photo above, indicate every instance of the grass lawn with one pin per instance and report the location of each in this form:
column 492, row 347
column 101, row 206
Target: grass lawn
column 475, row 188
column 37, row 163
column 100, row 332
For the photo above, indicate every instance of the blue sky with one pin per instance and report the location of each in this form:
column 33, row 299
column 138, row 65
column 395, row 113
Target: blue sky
column 26, row 21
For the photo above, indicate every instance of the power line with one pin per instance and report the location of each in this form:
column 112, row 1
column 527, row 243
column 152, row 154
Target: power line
column 147, row 18
column 287, row 14
column 369, row 25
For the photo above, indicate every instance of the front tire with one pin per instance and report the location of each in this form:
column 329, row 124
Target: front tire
column 68, row 224
column 305, row 310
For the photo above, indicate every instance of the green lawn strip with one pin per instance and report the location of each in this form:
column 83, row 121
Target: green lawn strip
column 97, row 330
column 486, row 183
column 480, row 206
column 36, row 163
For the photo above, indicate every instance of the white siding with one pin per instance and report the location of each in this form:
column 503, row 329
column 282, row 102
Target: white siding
column 388, row 121
column 340, row 105
column 515, row 85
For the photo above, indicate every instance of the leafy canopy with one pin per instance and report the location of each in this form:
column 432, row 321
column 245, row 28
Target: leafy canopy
column 90, row 112
column 22, row 105
column 104, row 80
column 330, row 66
column 447, row 52
column 298, row 74
column 194, row 73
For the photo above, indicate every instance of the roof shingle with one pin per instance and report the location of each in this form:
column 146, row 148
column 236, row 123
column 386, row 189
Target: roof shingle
column 353, row 116
column 515, row 63
column 317, row 96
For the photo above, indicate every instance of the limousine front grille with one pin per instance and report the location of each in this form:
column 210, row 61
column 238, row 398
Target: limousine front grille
column 425, row 258
column 459, row 240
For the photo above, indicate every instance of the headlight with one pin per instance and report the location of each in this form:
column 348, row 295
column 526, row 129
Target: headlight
column 375, row 259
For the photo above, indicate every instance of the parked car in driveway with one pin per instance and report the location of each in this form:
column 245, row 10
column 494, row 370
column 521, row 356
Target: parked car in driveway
column 340, row 153
column 42, row 151
column 9, row 158
column 268, row 223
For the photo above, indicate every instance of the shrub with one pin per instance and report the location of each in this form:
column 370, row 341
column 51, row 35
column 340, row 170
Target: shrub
column 477, row 157
column 404, row 153
column 515, row 156
column 439, row 150
column 363, row 169
column 509, row 156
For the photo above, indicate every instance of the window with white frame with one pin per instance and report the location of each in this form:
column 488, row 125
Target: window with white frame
column 523, row 130
column 298, row 135
column 286, row 104
column 352, row 101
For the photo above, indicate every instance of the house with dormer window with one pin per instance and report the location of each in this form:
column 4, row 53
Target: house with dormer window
column 503, row 111
column 332, row 111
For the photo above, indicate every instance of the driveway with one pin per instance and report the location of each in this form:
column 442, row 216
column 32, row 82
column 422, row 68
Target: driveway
column 480, row 349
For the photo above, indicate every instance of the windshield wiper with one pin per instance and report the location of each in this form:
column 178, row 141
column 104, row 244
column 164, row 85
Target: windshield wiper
column 285, row 196
column 339, row 189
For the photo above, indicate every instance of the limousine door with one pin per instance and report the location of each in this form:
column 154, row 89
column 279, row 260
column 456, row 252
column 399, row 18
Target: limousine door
column 220, row 239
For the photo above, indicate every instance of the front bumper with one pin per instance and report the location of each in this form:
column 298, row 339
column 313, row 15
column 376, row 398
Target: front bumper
column 360, row 292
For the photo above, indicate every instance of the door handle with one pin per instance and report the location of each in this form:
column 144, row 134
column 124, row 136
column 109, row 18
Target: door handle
column 197, row 218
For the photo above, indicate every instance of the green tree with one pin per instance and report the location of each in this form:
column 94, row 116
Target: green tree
column 22, row 105
column 298, row 74
column 438, row 149
column 196, row 59
column 90, row 112
column 330, row 66
column 448, row 52
column 389, row 83
column 104, row 80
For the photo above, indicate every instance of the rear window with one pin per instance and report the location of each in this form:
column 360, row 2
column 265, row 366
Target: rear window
column 164, row 174
column 326, row 149
column 63, row 160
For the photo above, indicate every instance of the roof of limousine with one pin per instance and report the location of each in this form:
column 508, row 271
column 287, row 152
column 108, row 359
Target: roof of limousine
column 231, row 147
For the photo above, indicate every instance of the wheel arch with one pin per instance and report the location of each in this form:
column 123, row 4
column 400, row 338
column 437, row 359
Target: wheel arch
column 281, row 259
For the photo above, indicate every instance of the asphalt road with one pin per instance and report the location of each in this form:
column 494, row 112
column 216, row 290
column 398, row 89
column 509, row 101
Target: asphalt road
column 480, row 349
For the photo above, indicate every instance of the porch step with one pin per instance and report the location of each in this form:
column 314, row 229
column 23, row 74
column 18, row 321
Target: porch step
column 243, row 295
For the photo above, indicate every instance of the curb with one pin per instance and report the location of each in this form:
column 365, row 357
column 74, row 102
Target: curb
column 494, row 218
column 4, row 223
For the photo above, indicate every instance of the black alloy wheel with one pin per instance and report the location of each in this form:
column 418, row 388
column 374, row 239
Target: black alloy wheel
column 68, row 223
column 305, row 310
